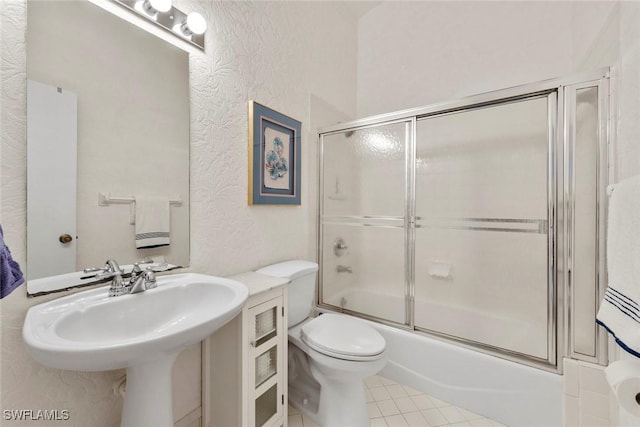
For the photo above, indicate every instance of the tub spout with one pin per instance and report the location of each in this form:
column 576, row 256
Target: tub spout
column 343, row 269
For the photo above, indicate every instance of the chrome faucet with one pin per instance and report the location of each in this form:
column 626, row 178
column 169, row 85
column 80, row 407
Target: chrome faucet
column 112, row 270
column 140, row 280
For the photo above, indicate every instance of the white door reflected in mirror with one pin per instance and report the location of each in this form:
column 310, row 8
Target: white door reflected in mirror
column 51, row 179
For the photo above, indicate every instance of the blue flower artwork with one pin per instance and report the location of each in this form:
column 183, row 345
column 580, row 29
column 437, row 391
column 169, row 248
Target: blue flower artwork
column 274, row 157
column 276, row 163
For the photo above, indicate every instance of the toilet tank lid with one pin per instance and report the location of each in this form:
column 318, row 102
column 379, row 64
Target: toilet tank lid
column 290, row 269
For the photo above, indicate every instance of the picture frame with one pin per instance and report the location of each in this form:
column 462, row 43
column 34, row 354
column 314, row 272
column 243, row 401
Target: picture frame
column 274, row 157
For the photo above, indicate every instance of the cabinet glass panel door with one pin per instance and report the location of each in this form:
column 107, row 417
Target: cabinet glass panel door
column 265, row 363
column 266, row 405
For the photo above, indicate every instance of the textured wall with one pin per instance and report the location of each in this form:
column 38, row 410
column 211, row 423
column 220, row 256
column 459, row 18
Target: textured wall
column 438, row 51
column 277, row 53
column 291, row 52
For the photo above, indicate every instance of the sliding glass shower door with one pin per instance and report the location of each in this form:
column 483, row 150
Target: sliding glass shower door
column 362, row 220
column 479, row 220
column 482, row 247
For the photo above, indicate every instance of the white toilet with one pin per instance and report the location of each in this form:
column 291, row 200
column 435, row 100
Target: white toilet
column 329, row 356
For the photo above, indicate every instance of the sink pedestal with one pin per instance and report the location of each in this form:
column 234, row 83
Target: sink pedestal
column 148, row 401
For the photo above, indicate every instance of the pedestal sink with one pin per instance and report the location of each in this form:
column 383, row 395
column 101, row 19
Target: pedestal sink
column 144, row 333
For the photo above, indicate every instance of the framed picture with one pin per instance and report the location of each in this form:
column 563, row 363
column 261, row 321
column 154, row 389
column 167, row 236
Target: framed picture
column 274, row 157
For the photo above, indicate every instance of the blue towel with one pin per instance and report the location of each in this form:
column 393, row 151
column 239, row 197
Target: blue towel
column 10, row 273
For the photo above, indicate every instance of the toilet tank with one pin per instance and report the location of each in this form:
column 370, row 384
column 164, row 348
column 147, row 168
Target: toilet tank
column 301, row 289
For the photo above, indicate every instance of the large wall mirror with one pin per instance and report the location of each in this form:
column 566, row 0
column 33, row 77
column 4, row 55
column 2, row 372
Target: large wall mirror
column 107, row 113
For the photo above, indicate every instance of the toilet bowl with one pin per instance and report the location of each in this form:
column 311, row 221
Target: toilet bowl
column 339, row 368
column 329, row 356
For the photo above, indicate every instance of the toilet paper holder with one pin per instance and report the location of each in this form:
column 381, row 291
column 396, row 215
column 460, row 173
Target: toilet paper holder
column 623, row 377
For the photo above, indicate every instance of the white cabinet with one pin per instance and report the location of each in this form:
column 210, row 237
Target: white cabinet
column 265, row 392
column 245, row 364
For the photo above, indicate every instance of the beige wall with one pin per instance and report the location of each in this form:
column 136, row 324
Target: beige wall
column 431, row 52
column 277, row 53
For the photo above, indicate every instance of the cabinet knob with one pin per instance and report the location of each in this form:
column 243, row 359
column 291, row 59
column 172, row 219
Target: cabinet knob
column 65, row 238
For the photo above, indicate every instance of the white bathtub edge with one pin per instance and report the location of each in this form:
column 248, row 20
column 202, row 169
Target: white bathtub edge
column 508, row 392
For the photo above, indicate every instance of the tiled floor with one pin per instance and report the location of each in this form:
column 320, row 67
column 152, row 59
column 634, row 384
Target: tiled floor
column 396, row 405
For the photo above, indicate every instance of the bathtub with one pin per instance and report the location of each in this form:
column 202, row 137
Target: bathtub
column 508, row 392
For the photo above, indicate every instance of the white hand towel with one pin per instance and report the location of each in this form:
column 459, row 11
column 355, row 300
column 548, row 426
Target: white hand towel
column 620, row 310
column 152, row 221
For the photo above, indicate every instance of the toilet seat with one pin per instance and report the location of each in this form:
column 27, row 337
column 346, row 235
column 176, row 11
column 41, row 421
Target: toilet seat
column 343, row 337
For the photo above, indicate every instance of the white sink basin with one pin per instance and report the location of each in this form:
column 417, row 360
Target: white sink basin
column 143, row 332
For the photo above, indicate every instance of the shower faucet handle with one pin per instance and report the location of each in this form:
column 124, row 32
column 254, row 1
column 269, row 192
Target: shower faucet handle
column 339, row 247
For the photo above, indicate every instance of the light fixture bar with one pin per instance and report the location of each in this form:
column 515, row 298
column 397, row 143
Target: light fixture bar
column 171, row 21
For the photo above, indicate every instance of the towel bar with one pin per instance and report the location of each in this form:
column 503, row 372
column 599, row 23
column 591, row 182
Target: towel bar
column 105, row 199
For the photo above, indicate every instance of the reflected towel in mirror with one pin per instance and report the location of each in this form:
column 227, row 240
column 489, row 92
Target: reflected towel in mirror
column 153, row 221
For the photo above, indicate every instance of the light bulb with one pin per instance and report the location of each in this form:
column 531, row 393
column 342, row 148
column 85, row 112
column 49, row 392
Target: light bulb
column 161, row 5
column 194, row 24
column 153, row 7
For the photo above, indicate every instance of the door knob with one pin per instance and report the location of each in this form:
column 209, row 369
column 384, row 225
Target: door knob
column 65, row 238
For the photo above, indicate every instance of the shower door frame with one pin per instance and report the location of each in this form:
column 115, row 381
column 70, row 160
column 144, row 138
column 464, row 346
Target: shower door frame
column 559, row 209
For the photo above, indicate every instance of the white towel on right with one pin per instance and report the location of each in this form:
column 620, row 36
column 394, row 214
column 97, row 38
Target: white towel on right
column 619, row 311
column 153, row 221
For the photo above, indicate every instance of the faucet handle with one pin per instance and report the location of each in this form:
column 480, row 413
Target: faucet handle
column 150, row 278
column 104, row 274
column 143, row 282
column 97, row 270
column 135, row 271
column 118, row 287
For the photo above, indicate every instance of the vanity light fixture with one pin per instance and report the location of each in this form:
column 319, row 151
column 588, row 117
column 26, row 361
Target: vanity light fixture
column 188, row 27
